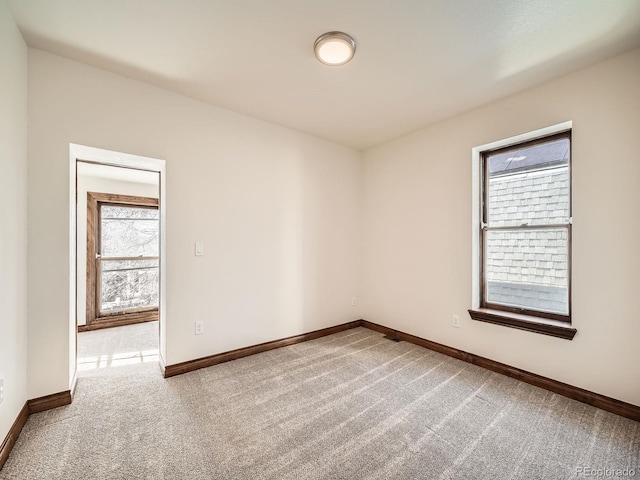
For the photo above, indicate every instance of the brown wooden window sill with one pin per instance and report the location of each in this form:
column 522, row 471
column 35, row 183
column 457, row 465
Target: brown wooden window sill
column 555, row 328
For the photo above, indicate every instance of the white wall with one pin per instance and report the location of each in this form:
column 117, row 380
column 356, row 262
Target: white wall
column 89, row 183
column 13, row 219
column 278, row 212
column 417, row 229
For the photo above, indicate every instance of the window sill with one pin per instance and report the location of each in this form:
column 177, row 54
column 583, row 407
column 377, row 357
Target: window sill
column 530, row 323
column 119, row 320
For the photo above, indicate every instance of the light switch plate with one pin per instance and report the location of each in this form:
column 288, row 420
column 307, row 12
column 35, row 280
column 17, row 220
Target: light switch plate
column 199, row 249
column 199, row 327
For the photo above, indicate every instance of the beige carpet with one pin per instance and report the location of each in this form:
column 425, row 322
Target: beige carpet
column 349, row 406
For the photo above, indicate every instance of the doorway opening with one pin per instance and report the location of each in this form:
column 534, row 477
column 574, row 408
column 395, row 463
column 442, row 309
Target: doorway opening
column 118, row 257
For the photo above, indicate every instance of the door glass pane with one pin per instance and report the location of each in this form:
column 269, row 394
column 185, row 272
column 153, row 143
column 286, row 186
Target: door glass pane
column 529, row 185
column 129, row 231
column 528, row 269
column 128, row 284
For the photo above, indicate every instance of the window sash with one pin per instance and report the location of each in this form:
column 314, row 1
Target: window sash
column 485, row 228
column 100, row 313
column 99, row 269
column 484, row 290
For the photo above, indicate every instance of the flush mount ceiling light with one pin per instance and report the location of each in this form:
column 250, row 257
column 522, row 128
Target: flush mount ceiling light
column 334, row 48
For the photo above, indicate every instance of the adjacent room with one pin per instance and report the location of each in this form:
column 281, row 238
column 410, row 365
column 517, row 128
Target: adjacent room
column 117, row 266
column 322, row 240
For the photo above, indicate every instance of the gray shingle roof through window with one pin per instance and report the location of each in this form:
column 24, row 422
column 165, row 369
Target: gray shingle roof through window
column 531, row 157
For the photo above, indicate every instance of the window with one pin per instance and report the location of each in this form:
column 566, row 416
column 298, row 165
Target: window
column 122, row 259
column 525, row 235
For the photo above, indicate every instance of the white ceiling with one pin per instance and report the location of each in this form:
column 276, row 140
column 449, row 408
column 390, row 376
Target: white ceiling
column 417, row 61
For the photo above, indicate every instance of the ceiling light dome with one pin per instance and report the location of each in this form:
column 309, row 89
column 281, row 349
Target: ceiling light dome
column 334, row 48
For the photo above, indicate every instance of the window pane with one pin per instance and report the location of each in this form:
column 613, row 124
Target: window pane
column 128, row 284
column 528, row 269
column 129, row 231
column 529, row 186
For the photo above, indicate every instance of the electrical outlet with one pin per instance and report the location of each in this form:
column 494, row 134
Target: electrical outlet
column 199, row 327
column 455, row 321
column 1, row 390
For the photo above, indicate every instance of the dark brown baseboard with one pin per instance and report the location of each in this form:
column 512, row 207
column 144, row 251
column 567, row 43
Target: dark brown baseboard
column 191, row 365
column 48, row 402
column 585, row 396
column 12, row 436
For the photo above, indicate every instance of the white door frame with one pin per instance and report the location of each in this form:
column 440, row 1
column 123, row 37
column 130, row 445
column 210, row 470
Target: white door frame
column 125, row 160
